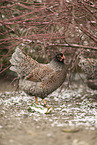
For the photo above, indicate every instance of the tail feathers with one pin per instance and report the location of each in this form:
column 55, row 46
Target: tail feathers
column 17, row 57
column 22, row 64
column 16, row 61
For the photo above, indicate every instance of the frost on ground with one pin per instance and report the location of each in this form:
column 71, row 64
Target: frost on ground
column 73, row 107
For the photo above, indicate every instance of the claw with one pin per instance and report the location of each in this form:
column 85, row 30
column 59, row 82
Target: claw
column 49, row 110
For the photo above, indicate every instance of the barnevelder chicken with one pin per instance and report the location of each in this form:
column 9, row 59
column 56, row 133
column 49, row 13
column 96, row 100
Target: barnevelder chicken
column 38, row 79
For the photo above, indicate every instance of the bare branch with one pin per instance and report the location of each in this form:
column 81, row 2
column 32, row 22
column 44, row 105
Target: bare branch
column 74, row 46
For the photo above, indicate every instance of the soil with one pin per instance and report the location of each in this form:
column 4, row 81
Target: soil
column 28, row 132
column 27, row 129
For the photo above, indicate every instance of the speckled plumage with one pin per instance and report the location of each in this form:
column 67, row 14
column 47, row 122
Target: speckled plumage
column 89, row 66
column 38, row 79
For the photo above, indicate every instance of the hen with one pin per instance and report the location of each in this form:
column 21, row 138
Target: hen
column 38, row 79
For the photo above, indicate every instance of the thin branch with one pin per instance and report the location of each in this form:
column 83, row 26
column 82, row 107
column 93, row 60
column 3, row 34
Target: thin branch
column 5, row 69
column 75, row 46
column 93, row 37
column 82, row 28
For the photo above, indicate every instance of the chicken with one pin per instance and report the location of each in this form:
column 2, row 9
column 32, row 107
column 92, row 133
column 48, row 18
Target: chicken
column 38, row 79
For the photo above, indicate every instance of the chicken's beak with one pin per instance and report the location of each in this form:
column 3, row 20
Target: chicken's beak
column 63, row 57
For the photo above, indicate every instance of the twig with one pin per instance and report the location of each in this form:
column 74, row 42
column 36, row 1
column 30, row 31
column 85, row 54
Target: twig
column 75, row 46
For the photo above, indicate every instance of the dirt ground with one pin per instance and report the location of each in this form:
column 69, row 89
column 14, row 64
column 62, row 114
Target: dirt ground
column 25, row 129
column 29, row 132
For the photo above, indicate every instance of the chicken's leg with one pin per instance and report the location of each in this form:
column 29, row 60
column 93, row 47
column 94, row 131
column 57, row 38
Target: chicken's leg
column 49, row 109
column 36, row 100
